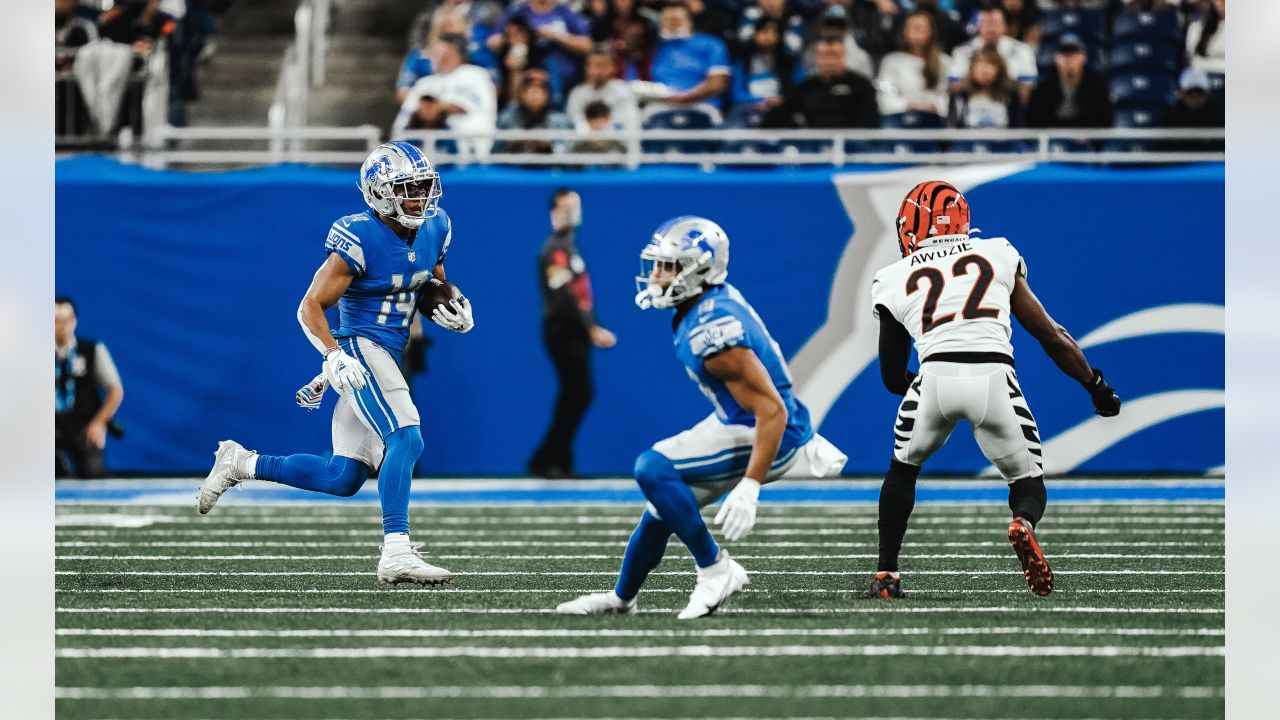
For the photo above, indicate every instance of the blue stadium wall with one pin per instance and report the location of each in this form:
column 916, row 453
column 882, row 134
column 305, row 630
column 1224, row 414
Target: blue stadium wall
column 193, row 279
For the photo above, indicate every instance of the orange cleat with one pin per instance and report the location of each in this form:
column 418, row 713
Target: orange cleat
column 1022, row 536
column 885, row 586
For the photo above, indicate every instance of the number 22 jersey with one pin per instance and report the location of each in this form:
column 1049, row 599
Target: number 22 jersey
column 953, row 296
column 380, row 304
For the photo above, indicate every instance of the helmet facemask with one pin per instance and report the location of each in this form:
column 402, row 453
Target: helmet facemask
column 424, row 187
column 681, row 279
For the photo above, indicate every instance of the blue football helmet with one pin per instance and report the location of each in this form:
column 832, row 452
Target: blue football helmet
column 692, row 252
column 399, row 171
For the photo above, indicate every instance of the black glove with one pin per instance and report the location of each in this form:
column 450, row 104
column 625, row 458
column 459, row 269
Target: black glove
column 1105, row 401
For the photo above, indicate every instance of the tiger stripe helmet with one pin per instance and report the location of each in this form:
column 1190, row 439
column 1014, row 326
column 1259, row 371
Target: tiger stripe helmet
column 932, row 209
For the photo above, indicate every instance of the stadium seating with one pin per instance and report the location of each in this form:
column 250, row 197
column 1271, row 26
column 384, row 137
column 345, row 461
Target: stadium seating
column 1131, row 89
column 1090, row 25
column 679, row 119
column 912, row 120
column 1151, row 27
column 1139, row 116
column 1144, row 57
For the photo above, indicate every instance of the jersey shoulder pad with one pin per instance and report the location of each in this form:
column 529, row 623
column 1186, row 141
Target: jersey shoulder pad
column 1008, row 251
column 445, row 223
column 346, row 242
column 716, row 326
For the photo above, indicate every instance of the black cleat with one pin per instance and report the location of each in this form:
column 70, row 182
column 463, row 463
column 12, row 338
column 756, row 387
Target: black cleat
column 885, row 586
column 1034, row 566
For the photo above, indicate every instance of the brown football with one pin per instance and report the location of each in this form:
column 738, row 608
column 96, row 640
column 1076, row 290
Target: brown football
column 433, row 294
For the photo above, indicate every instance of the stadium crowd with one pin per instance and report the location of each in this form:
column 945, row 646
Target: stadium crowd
column 109, row 53
column 594, row 65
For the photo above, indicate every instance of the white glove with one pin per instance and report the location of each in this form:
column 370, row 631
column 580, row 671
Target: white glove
column 343, row 372
column 309, row 396
column 738, row 511
column 455, row 316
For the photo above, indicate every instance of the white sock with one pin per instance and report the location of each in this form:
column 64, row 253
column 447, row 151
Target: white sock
column 395, row 540
column 247, row 466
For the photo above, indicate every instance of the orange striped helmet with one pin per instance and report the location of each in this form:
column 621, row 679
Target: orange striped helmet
column 931, row 208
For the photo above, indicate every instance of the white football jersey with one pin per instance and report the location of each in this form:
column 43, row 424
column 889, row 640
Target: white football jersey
column 953, row 296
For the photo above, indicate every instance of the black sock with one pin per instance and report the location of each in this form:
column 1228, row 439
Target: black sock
column 897, row 499
column 1027, row 498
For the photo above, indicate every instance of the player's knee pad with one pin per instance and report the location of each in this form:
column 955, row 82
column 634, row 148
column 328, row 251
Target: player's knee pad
column 407, row 440
column 901, row 474
column 654, row 468
column 349, row 475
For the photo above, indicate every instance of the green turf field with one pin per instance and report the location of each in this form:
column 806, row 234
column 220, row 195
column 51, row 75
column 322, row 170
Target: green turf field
column 273, row 611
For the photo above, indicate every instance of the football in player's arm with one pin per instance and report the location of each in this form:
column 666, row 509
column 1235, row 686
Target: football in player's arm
column 376, row 262
column 759, row 431
column 953, row 294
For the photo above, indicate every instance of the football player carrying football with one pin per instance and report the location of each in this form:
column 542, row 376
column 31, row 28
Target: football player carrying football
column 376, row 261
column 758, row 432
column 954, row 293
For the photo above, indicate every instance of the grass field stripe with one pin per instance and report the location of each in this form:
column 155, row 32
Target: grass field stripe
column 443, row 537
column 678, row 556
column 613, row 573
column 802, row 524
column 633, row 652
column 534, row 692
column 426, row 633
column 353, row 544
column 857, row 609
column 866, row 523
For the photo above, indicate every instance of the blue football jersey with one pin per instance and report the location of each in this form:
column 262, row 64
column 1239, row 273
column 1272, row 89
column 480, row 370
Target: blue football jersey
column 724, row 319
column 380, row 304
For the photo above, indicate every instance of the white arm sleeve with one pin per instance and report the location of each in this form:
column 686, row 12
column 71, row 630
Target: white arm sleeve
column 311, row 337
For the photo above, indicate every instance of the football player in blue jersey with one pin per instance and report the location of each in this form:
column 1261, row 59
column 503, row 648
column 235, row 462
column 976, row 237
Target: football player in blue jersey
column 758, row 432
column 376, row 261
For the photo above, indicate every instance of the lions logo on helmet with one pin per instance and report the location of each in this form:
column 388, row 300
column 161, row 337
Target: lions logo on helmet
column 685, row 255
column 396, row 172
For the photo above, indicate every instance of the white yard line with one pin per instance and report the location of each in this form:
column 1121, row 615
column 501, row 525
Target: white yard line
column 675, row 555
column 611, row 572
column 536, row 692
column 444, row 537
column 852, row 610
column 66, row 519
column 673, row 551
column 426, row 633
column 633, row 652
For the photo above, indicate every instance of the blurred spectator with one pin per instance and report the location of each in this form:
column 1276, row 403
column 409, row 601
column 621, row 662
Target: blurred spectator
column 1196, row 108
column 633, row 39
column 1207, row 39
column 598, row 120
column 949, row 31
column 1024, row 20
column 602, row 85
column 598, row 14
column 457, row 96
column 448, row 19
column 715, row 19
column 1075, row 96
column 875, row 24
column 87, row 392
column 765, row 69
column 569, row 330
column 1147, row 5
column 834, row 97
column 988, row 97
column 833, row 25
column 131, row 31
column 560, row 34
column 693, row 66
column 531, row 110
column 71, row 32
column 788, row 19
column 1019, row 58
column 137, row 23
column 914, row 78
column 519, row 52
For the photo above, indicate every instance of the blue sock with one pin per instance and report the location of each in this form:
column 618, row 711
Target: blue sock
column 662, row 485
column 396, row 476
column 644, row 552
column 341, row 476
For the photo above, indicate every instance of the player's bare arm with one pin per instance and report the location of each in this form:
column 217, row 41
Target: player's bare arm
column 749, row 383
column 1061, row 347
column 438, row 272
column 327, row 286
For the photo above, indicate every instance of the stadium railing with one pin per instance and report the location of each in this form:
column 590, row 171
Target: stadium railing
column 301, row 70
column 163, row 146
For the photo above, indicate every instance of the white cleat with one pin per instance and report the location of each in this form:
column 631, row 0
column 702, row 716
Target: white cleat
column 715, row 584
column 223, row 476
column 404, row 564
column 605, row 603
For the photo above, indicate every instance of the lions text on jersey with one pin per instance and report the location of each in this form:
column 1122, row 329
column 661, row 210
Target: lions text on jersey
column 721, row 320
column 953, row 296
column 379, row 305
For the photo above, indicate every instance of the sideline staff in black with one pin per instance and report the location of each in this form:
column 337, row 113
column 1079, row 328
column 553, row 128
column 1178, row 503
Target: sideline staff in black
column 87, row 393
column 569, row 329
